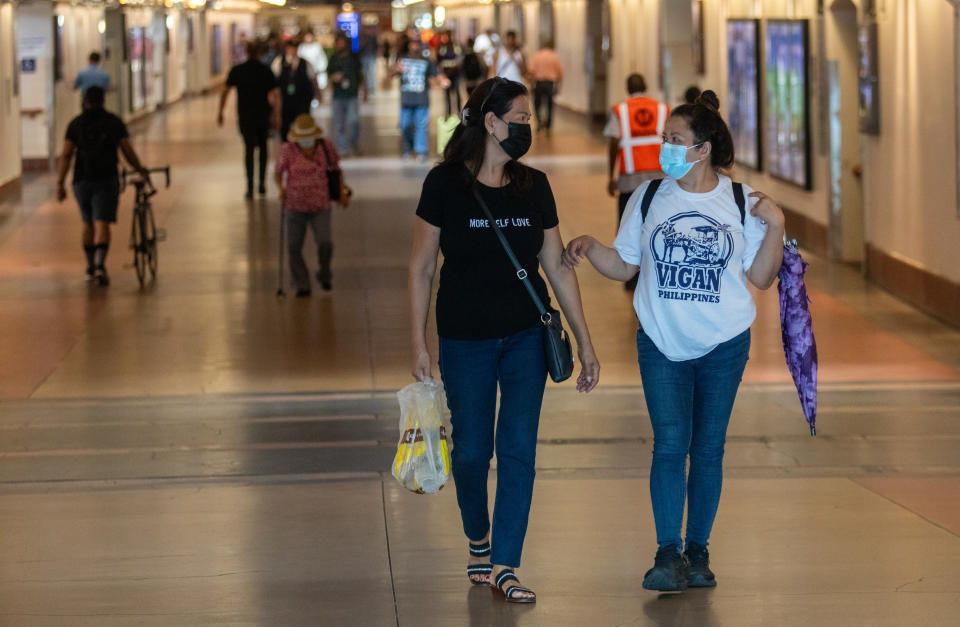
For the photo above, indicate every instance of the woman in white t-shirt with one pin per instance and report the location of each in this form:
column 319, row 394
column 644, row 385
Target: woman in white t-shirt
column 695, row 250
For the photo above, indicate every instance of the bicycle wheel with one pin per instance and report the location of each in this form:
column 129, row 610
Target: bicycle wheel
column 138, row 244
column 150, row 242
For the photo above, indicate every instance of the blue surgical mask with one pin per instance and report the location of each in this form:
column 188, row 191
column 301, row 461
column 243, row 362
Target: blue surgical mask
column 673, row 159
column 306, row 143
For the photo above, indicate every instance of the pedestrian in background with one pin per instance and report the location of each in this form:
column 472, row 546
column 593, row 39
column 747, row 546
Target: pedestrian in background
column 94, row 137
column 417, row 74
column 346, row 75
column 92, row 75
column 546, row 71
column 298, row 86
column 691, row 94
column 305, row 197
column 634, row 129
column 474, row 70
column 508, row 61
column 258, row 102
column 311, row 50
column 368, row 57
column 489, row 328
column 449, row 55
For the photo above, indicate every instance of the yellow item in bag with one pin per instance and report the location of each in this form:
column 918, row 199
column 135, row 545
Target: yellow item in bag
column 422, row 462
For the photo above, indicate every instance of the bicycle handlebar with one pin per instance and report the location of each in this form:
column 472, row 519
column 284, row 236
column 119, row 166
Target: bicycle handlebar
column 129, row 173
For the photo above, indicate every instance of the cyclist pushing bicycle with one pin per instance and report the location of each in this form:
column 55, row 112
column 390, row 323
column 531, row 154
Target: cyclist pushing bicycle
column 95, row 136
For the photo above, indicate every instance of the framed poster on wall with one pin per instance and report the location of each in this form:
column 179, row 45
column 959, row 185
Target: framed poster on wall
column 743, row 90
column 867, row 81
column 787, row 135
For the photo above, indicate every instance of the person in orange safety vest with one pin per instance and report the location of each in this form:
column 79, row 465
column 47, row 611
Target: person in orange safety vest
column 635, row 128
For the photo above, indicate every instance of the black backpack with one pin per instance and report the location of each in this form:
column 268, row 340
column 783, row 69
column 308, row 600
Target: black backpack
column 655, row 185
column 472, row 69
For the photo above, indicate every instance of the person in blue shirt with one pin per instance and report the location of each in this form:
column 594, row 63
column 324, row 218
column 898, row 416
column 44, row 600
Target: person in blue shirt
column 91, row 76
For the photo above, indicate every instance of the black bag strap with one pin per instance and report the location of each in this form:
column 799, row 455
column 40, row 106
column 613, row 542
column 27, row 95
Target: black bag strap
column 655, row 185
column 326, row 154
column 648, row 198
column 521, row 273
column 741, row 201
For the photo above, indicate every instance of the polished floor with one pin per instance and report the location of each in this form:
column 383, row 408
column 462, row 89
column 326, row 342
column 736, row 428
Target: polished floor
column 202, row 452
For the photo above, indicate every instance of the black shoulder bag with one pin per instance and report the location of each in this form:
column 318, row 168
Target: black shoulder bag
column 557, row 351
column 335, row 184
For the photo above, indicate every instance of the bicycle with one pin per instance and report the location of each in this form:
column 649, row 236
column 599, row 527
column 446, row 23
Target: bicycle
column 144, row 234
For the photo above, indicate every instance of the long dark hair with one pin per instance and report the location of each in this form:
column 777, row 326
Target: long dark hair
column 468, row 144
column 705, row 122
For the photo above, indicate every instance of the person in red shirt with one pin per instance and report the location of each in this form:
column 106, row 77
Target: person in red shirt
column 305, row 158
column 546, row 71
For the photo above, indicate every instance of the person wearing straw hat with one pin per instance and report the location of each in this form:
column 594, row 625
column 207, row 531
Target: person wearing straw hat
column 305, row 197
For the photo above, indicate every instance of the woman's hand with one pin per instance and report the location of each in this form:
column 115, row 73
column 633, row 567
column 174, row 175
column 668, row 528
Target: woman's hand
column 767, row 210
column 576, row 250
column 283, row 197
column 589, row 369
column 421, row 365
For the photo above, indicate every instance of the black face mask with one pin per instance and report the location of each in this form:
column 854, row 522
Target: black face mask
column 519, row 138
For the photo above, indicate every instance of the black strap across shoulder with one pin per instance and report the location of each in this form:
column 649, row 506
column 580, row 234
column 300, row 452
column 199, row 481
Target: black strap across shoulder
column 648, row 198
column 655, row 185
column 521, row 273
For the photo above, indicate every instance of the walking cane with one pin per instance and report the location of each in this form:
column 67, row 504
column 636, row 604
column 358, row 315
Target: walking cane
column 283, row 222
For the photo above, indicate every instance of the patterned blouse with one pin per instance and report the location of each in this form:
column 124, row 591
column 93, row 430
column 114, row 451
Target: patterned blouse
column 307, row 188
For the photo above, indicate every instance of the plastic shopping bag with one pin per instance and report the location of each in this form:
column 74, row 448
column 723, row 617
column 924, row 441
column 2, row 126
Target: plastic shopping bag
column 422, row 463
column 445, row 128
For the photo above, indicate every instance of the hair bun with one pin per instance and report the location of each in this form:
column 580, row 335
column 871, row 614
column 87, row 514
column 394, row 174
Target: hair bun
column 709, row 100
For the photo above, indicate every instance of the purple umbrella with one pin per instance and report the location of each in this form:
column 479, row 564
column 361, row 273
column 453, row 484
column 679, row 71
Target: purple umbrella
column 799, row 346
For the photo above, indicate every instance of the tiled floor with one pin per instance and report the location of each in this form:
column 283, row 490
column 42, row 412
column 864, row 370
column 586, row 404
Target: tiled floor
column 203, row 452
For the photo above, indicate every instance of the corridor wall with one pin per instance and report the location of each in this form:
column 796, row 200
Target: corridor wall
column 808, row 205
column 571, row 19
column 222, row 26
column 10, row 164
column 910, row 173
column 635, row 46
column 81, row 36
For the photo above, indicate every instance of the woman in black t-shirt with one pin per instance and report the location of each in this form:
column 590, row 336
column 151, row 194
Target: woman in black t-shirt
column 488, row 325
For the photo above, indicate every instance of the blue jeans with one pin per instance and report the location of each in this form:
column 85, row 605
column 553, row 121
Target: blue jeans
column 471, row 371
column 413, row 124
column 370, row 72
column 690, row 404
column 346, row 123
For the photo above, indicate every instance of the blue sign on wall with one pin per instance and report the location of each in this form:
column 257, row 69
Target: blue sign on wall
column 349, row 24
column 28, row 66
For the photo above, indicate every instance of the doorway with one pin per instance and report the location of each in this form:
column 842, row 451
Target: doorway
column 846, row 223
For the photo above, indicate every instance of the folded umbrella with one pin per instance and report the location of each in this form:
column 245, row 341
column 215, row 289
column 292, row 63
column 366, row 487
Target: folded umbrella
column 796, row 324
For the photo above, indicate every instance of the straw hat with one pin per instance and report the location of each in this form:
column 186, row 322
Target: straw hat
column 304, row 127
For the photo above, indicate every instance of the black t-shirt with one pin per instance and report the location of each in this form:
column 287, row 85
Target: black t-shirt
column 480, row 296
column 96, row 134
column 253, row 81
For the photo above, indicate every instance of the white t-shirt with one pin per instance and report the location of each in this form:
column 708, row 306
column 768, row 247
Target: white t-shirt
column 693, row 255
column 508, row 65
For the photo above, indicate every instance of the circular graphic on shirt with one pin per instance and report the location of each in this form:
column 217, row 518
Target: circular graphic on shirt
column 691, row 251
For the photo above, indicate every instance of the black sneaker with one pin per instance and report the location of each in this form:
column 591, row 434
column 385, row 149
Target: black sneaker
column 699, row 574
column 669, row 572
column 303, row 293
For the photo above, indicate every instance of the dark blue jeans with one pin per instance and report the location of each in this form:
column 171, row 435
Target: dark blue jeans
column 471, row 372
column 690, row 404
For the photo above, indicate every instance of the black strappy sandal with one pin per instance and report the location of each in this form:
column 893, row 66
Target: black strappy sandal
column 508, row 575
column 479, row 570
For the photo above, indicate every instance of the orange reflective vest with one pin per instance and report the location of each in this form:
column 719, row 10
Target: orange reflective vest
column 641, row 127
